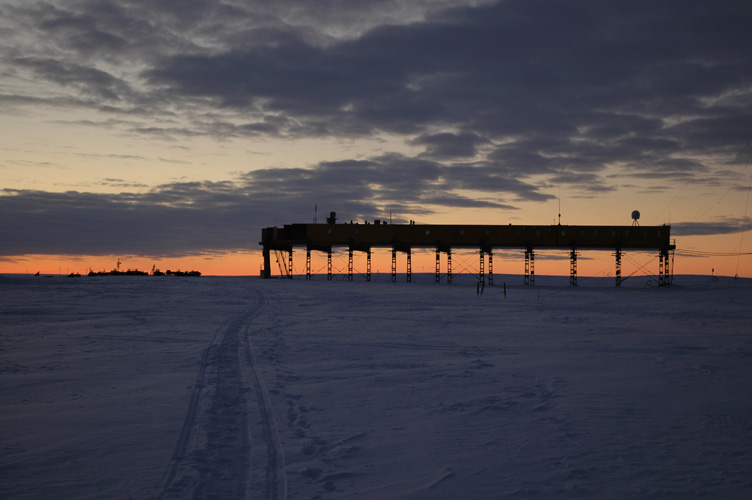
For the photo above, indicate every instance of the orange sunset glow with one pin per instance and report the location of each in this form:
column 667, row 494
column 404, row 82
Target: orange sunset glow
column 554, row 263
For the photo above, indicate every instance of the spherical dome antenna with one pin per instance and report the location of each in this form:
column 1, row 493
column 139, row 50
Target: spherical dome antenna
column 635, row 217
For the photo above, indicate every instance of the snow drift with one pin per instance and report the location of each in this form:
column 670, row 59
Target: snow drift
column 167, row 387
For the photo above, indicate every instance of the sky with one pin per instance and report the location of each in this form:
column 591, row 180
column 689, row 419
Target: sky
column 169, row 133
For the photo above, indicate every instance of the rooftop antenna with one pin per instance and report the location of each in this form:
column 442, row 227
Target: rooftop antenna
column 560, row 207
column 315, row 212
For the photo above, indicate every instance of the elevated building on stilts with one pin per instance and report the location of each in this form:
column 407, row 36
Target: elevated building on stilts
column 403, row 238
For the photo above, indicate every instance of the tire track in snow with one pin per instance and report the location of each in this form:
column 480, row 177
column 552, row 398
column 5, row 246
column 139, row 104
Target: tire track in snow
column 213, row 458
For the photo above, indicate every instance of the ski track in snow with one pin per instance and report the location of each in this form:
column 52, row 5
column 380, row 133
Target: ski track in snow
column 214, row 456
column 276, row 484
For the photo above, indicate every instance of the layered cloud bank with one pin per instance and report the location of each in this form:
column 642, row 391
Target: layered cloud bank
column 495, row 105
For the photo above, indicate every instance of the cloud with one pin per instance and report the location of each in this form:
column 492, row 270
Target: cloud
column 727, row 225
column 88, row 80
column 447, row 145
column 601, row 73
column 507, row 100
column 87, row 223
column 185, row 218
column 588, row 85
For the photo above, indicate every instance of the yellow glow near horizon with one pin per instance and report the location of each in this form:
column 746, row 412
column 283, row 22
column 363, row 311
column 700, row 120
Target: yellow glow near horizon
column 89, row 155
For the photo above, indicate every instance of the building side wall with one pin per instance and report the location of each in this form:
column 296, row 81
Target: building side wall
column 468, row 236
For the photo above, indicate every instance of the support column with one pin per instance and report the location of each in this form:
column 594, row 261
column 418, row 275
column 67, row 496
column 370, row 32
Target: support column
column 409, row 265
column 350, row 265
column 368, row 265
column 670, row 266
column 394, row 265
column 490, row 267
column 573, row 268
column 449, row 266
column 532, row 267
column 308, row 264
column 289, row 262
column 438, row 265
column 664, row 268
column 329, row 265
column 482, row 273
column 617, row 254
column 529, row 267
column 660, row 268
column 267, row 273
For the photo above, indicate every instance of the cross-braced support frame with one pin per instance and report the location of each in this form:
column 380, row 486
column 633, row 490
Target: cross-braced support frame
column 664, row 268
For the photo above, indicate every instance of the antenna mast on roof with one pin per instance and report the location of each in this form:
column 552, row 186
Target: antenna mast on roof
column 315, row 212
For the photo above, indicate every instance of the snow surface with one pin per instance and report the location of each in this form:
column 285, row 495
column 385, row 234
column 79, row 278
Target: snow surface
column 170, row 388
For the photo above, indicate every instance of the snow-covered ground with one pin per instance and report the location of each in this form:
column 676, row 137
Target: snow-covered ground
column 160, row 387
